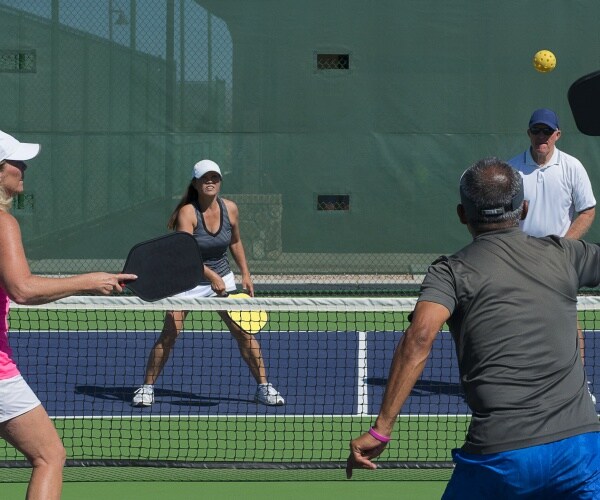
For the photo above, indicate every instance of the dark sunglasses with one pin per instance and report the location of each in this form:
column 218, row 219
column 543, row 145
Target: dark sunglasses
column 542, row 130
column 210, row 178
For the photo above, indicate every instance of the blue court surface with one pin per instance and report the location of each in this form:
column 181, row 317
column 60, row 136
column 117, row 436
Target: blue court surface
column 319, row 373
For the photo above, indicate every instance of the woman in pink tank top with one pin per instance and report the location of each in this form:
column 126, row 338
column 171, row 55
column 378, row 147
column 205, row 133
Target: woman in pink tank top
column 8, row 368
column 23, row 420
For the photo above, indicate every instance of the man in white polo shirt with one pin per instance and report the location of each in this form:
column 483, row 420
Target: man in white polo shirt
column 558, row 188
column 561, row 201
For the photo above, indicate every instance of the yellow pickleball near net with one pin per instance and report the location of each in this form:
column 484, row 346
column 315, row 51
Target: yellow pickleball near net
column 544, row 61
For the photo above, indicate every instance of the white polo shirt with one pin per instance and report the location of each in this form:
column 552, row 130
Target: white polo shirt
column 556, row 191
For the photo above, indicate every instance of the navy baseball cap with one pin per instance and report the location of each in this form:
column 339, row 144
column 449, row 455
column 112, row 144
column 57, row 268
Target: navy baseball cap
column 545, row 116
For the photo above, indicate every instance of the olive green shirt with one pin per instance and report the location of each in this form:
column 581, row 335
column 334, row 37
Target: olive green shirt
column 512, row 299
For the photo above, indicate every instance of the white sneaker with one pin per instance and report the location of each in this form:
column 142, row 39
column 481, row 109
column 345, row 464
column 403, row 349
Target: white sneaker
column 589, row 385
column 144, row 396
column 266, row 394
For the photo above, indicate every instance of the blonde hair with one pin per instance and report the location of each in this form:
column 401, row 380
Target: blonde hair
column 5, row 200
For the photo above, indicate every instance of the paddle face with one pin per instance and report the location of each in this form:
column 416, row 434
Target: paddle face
column 251, row 322
column 165, row 266
column 584, row 99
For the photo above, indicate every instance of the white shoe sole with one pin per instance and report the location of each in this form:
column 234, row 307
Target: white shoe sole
column 278, row 403
column 141, row 403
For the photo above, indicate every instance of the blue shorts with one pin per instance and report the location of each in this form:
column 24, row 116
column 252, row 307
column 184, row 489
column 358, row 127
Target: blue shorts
column 565, row 469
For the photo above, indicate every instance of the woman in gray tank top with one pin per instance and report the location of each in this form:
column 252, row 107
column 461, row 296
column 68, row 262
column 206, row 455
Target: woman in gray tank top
column 213, row 221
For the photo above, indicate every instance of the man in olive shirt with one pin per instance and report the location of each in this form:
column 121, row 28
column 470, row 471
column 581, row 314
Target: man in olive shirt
column 510, row 302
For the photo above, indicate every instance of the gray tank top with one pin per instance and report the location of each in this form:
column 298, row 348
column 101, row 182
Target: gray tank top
column 213, row 246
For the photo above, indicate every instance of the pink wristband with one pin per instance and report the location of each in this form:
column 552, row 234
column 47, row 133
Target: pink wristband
column 379, row 437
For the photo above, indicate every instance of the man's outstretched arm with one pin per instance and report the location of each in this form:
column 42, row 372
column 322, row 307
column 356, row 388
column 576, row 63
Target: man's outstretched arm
column 409, row 360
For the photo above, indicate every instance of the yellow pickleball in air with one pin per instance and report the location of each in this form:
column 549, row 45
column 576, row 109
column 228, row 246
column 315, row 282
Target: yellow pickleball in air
column 544, row 61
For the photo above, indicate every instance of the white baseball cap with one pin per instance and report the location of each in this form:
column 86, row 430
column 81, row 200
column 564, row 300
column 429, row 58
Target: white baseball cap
column 11, row 149
column 204, row 166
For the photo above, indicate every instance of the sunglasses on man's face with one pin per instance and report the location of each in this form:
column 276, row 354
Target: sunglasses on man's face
column 542, row 130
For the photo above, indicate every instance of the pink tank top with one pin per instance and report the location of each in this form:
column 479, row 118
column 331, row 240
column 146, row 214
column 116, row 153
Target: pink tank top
column 8, row 368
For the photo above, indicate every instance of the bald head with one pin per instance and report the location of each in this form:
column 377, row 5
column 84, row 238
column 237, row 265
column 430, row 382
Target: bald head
column 491, row 194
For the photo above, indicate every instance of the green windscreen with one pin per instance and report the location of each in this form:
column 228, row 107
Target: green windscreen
column 341, row 126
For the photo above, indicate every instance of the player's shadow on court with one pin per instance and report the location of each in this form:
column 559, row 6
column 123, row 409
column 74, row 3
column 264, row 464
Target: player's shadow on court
column 125, row 394
column 425, row 386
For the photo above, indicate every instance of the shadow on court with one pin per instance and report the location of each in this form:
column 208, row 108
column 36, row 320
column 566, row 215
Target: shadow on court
column 425, row 386
column 176, row 398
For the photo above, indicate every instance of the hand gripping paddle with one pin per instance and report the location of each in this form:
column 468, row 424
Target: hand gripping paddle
column 165, row 266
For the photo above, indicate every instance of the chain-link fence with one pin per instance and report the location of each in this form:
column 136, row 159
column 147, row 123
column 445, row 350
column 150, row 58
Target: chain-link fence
column 341, row 126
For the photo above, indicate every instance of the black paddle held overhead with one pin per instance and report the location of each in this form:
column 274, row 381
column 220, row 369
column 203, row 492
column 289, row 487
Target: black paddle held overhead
column 584, row 99
column 165, row 266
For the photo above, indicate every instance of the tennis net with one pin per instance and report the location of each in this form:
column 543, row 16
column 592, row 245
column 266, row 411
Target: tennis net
column 329, row 358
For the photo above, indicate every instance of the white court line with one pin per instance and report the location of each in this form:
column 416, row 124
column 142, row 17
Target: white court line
column 362, row 374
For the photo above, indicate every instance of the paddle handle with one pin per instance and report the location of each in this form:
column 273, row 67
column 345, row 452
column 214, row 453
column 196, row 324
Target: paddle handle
column 226, row 294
